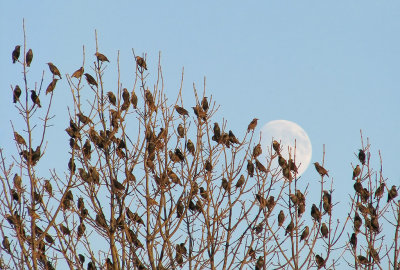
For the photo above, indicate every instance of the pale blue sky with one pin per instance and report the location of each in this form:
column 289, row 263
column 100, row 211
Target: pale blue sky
column 331, row 67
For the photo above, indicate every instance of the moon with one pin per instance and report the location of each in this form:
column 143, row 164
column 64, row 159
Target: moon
column 288, row 134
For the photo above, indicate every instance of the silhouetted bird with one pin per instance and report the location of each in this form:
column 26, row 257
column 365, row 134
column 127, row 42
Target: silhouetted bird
column 361, row 156
column 356, row 171
column 141, row 62
column 208, row 166
column 305, row 233
column 15, row 54
column 101, row 57
column 35, row 98
column 90, row 79
column 252, row 125
column 392, row 193
column 232, row 137
column 362, row 259
column 321, row 170
column 281, row 218
column 353, row 240
column 78, row 73
column 16, row 93
column 282, row 162
column 292, row 166
column 54, row 69
column 29, row 57
column 217, row 131
column 51, row 86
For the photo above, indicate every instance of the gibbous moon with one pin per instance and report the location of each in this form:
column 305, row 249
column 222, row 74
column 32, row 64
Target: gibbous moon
column 287, row 132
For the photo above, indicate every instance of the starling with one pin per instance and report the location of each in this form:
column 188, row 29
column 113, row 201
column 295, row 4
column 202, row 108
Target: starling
column 240, row 182
column 109, row 264
column 232, row 138
column 258, row 229
column 19, row 139
column 363, row 210
column 375, row 224
column 81, row 230
column 392, row 193
column 320, row 261
column 15, row 195
column 289, row 228
column 118, row 186
column 173, row 156
column 261, row 167
column 262, row 201
column 35, row 98
column 250, row 168
column 81, row 258
column 293, row 198
column 362, row 259
column 134, row 217
column 17, row 182
column 174, row 178
column 287, row 174
column 90, row 266
column 315, row 213
column 111, row 98
column 225, row 184
column 327, row 197
column 83, row 118
column 358, row 187
column 190, row 147
column 141, row 62
column 49, row 239
column 252, row 253
column 324, row 230
column 78, row 73
column 16, row 94
column 198, row 111
column 204, row 104
column 282, row 162
column 276, row 147
column 379, row 191
column 252, row 125
column 281, row 218
column 101, row 57
column 86, row 150
column 101, row 221
column 260, row 263
column 321, row 170
column 29, row 57
column 353, row 240
column 356, row 171
column 179, row 154
column 292, row 166
column 257, row 150
column 48, row 187
column 64, row 230
column 6, row 244
column 125, row 95
column 203, row 193
column 301, row 209
column 357, row 222
column 305, row 233
column 179, row 209
column 217, row 131
column 149, row 98
column 374, row 254
column 54, row 70
column 15, row 54
column 134, row 99
column 208, row 166
column 361, row 156
column 327, row 207
column 300, row 197
column 51, row 86
column 90, row 79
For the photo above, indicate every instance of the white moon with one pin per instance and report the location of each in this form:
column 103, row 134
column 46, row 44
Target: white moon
column 288, row 134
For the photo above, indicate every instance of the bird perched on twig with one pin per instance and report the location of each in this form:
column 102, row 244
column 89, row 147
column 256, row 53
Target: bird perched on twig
column 141, row 62
column 101, row 57
column 16, row 93
column 361, row 156
column 356, row 171
column 252, row 124
column 90, row 79
column 35, row 98
column 54, row 69
column 321, row 170
column 29, row 57
column 51, row 86
column 16, row 53
column 78, row 73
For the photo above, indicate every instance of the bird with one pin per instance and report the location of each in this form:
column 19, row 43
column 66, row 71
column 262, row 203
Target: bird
column 374, row 254
column 379, row 191
column 324, row 230
column 51, row 86
column 29, row 57
column 15, row 54
column 208, row 166
column 78, row 73
column 198, row 111
column 134, row 217
column 289, row 228
column 181, row 131
column 282, row 162
column 17, row 180
column 362, row 259
column 141, row 62
column 305, row 233
column 225, row 184
column 35, row 98
column 134, row 99
column 361, row 156
column 240, row 182
column 392, row 193
column 16, row 93
column 250, row 168
column 357, row 222
column 356, row 171
column 19, row 139
column 83, row 118
column 257, row 150
column 261, row 167
column 353, row 240
column 252, row 124
column 315, row 213
column 276, row 146
column 217, row 131
column 54, row 69
column 48, row 187
column 292, row 166
column 6, row 244
column 190, row 147
column 203, row 193
column 101, row 57
column 111, row 98
column 90, row 79
column 281, row 218
column 204, row 104
column 125, row 95
column 182, row 111
column 232, row 137
column 321, row 170
column 260, row 263
column 320, row 261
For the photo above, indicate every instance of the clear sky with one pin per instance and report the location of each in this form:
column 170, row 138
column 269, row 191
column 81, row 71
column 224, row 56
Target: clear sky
column 331, row 67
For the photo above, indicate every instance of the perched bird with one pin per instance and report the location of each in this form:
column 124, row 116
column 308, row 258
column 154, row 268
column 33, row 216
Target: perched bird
column 240, row 182
column 51, row 86
column 305, row 233
column 287, row 174
column 257, row 150
column 217, row 131
column 181, row 131
column 83, row 118
column 16, row 94
column 353, row 240
column 48, row 187
column 179, row 154
column 321, row 170
column 141, row 62
column 198, row 111
column 101, row 57
column 289, row 228
column 203, row 193
column 315, row 213
column 320, row 261
column 6, row 244
column 281, row 218
column 362, row 259
column 134, row 99
column 232, row 137
column 182, row 111
column 250, row 168
column 15, row 54
column 134, row 217
column 252, row 125
column 379, row 191
column 64, row 230
column 125, row 95
column 277, row 147
column 292, row 166
column 282, row 162
column 261, row 167
column 208, row 165
column 17, row 180
column 392, row 193
column 78, row 73
column 324, row 230
column 374, row 254
column 356, row 171
column 204, row 104
column 29, row 57
column 35, row 98
column 179, row 209
column 19, row 139
column 190, row 147
column 90, row 79
column 357, row 222
column 358, row 187
column 54, row 69
column 225, row 184
column 260, row 263
column 361, row 156
column 111, row 98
